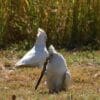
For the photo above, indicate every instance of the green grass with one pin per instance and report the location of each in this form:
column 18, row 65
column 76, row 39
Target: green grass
column 68, row 23
column 84, row 67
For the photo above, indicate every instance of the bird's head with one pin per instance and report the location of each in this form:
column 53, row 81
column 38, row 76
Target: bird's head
column 52, row 50
column 41, row 34
column 41, row 37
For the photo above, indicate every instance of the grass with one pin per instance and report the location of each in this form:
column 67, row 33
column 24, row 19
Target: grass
column 68, row 23
column 84, row 67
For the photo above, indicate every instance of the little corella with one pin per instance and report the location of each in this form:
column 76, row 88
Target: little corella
column 38, row 54
column 58, row 76
column 57, row 73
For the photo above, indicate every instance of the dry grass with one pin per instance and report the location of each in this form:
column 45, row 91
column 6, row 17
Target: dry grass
column 21, row 82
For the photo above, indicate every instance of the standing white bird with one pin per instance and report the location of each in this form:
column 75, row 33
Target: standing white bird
column 38, row 54
column 58, row 75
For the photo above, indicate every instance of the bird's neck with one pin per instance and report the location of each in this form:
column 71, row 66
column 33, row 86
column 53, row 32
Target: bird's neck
column 40, row 42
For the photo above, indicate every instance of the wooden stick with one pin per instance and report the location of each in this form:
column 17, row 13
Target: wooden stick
column 42, row 73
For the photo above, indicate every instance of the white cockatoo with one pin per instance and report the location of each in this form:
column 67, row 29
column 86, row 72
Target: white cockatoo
column 57, row 73
column 38, row 54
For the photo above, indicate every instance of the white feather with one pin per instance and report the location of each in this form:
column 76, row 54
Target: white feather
column 56, row 68
column 38, row 54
